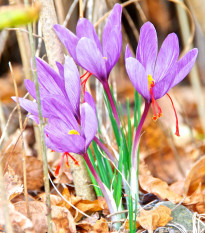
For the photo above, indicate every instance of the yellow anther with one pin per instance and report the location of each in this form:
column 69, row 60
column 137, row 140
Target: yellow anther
column 73, row 131
column 105, row 58
column 150, row 80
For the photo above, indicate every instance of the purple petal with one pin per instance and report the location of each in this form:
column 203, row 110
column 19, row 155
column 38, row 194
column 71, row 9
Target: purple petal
column 167, row 57
column 48, row 78
column 147, row 47
column 86, row 29
column 34, row 118
column 58, row 138
column 57, row 106
column 72, row 84
column 112, row 47
column 30, row 86
column 113, row 20
column 138, row 77
column 60, row 69
column 128, row 53
column 89, row 99
column 184, row 66
column 91, row 59
column 28, row 105
column 89, row 123
column 69, row 39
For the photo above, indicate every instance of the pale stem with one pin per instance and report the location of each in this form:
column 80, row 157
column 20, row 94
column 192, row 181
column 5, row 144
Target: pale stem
column 100, row 183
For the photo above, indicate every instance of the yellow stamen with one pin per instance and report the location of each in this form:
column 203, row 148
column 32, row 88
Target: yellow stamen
column 105, row 58
column 73, row 131
column 150, row 80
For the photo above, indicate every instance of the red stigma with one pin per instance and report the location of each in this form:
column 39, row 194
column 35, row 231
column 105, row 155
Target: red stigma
column 177, row 123
column 85, row 81
column 66, row 154
column 155, row 104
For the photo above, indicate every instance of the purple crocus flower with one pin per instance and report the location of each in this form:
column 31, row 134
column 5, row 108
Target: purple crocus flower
column 153, row 74
column 86, row 49
column 64, row 87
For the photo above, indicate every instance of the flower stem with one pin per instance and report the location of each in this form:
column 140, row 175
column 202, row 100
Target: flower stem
column 112, row 104
column 137, row 136
column 102, row 187
column 104, row 148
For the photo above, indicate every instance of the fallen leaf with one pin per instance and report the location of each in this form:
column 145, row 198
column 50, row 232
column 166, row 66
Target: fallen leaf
column 195, row 177
column 152, row 219
column 13, row 185
column 61, row 217
column 20, row 223
column 12, row 155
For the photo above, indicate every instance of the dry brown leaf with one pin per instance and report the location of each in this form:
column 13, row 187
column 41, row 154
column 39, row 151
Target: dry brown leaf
column 88, row 207
column 20, row 223
column 156, row 186
column 152, row 219
column 100, row 226
column 61, row 218
column 12, row 184
column 195, row 177
column 12, row 155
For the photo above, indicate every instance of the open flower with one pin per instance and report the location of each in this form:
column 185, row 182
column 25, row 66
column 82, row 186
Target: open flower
column 63, row 86
column 85, row 46
column 153, row 74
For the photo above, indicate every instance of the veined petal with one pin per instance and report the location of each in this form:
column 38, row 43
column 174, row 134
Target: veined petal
column 57, row 106
column 58, row 138
column 113, row 20
column 91, row 59
column 112, row 45
column 60, row 69
column 167, row 57
column 69, row 39
column 89, row 99
column 28, row 105
column 48, row 78
column 89, row 124
column 72, row 84
column 33, row 118
column 128, row 53
column 86, row 29
column 147, row 47
column 184, row 66
column 138, row 77
column 30, row 86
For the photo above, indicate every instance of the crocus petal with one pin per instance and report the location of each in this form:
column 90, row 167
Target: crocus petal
column 128, row 53
column 28, row 105
column 69, row 39
column 58, row 138
column 113, row 20
column 147, row 47
column 57, row 106
column 167, row 57
column 89, row 99
column 91, row 59
column 112, row 37
column 86, row 29
column 138, row 77
column 112, row 47
column 60, row 69
column 72, row 84
column 30, row 86
column 48, row 78
column 33, row 118
column 89, row 123
column 184, row 65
